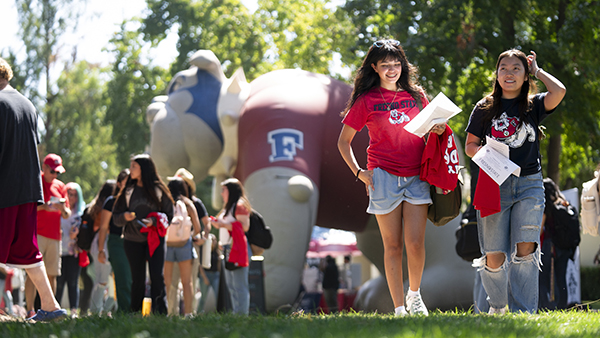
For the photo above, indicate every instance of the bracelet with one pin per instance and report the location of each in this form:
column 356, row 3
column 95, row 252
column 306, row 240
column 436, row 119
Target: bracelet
column 357, row 173
column 536, row 72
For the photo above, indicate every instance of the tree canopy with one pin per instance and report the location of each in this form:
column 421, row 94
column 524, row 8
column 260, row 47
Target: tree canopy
column 95, row 118
column 456, row 44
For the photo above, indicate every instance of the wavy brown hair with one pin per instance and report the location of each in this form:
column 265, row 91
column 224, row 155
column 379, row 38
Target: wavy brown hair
column 5, row 70
column 366, row 77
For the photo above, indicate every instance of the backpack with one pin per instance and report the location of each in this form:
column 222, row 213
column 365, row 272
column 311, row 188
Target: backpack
column 86, row 231
column 259, row 234
column 180, row 229
column 565, row 219
column 467, row 237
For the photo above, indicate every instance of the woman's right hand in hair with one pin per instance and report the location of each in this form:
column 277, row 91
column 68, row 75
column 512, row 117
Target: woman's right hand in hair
column 129, row 216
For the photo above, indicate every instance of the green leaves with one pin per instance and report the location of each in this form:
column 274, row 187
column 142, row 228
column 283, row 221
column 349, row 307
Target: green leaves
column 456, row 43
column 79, row 134
column 132, row 87
column 280, row 34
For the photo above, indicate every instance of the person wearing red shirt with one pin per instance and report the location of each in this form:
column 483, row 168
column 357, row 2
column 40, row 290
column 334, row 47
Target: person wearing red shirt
column 56, row 205
column 385, row 98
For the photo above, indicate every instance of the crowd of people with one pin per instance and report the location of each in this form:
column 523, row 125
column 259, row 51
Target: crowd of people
column 132, row 214
column 48, row 231
column 131, row 218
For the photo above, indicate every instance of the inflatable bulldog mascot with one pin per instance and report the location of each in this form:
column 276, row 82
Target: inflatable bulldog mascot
column 278, row 135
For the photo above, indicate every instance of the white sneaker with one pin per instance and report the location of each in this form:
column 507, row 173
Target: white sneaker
column 402, row 313
column 416, row 306
column 496, row 311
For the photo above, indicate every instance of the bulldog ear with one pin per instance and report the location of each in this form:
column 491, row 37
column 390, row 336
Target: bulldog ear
column 206, row 59
column 238, row 82
column 158, row 102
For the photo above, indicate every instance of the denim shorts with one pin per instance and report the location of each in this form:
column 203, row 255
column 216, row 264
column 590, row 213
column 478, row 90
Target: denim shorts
column 391, row 190
column 520, row 217
column 181, row 254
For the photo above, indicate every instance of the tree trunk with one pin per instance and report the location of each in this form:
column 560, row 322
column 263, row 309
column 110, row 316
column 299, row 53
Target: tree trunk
column 553, row 154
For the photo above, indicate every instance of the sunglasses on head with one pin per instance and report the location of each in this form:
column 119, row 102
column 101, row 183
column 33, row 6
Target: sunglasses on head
column 380, row 43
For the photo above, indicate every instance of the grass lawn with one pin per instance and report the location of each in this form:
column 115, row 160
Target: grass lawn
column 437, row 325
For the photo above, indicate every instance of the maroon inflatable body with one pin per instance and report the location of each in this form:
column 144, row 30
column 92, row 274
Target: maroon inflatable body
column 292, row 119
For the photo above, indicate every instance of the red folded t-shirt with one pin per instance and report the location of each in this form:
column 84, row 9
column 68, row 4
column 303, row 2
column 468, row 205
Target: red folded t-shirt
column 487, row 195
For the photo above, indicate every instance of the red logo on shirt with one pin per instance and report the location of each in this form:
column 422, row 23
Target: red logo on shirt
column 504, row 126
column 397, row 117
column 506, row 129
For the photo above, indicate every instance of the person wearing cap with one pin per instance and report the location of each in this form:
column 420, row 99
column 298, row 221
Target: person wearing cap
column 49, row 214
column 22, row 192
column 188, row 179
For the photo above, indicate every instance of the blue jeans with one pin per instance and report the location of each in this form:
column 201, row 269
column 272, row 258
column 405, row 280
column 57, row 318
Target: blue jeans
column 213, row 279
column 237, row 283
column 515, row 282
column 480, row 303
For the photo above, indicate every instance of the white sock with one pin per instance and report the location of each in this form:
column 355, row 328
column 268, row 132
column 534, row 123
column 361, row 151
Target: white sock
column 400, row 310
column 411, row 293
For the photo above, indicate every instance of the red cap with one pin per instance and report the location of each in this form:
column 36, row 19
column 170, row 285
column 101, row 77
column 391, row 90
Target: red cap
column 54, row 162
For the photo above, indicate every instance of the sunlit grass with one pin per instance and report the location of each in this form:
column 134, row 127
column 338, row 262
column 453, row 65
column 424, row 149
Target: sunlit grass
column 437, row 325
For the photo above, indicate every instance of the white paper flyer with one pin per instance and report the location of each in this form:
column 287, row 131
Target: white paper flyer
column 439, row 110
column 493, row 159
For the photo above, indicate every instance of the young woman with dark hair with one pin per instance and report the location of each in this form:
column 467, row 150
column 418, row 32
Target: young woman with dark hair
column 235, row 217
column 553, row 276
column 385, row 98
column 510, row 238
column 102, row 270
column 110, row 247
column 142, row 208
column 183, row 252
column 70, row 268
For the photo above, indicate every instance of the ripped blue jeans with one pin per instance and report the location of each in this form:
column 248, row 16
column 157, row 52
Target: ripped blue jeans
column 515, row 282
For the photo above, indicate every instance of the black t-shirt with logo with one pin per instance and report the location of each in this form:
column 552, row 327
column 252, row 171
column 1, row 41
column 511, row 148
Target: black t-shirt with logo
column 523, row 141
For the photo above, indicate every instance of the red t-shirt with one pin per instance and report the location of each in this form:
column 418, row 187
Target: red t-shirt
column 49, row 221
column 391, row 148
column 440, row 164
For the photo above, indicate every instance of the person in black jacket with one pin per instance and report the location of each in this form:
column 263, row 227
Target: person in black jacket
column 144, row 194
column 553, row 275
column 331, row 284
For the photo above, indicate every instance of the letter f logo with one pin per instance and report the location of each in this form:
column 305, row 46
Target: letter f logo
column 284, row 143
